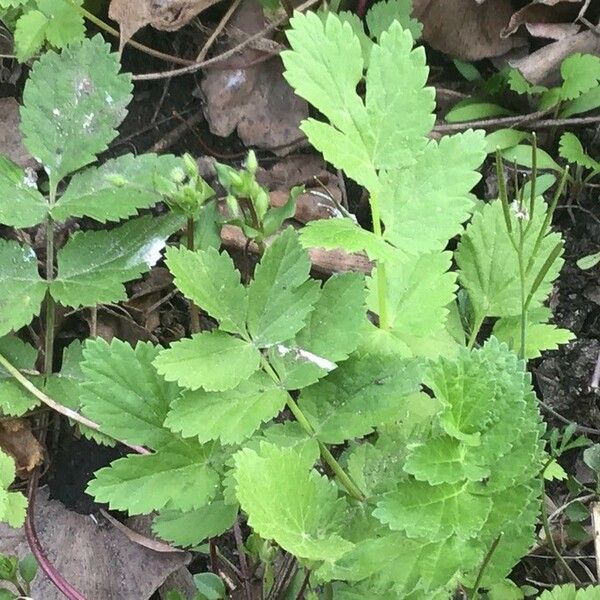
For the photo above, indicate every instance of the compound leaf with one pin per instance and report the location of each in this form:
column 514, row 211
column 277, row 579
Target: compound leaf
column 94, row 265
column 327, row 76
column 178, row 475
column 413, row 311
column 21, row 204
column 116, row 190
column 345, row 233
column 569, row 592
column 212, row 282
column 21, row 288
column 399, row 106
column 213, row 360
column 72, row 105
column 288, row 501
column 333, row 327
column 230, row 416
column 123, row 392
column 489, row 267
column 424, row 206
column 280, row 297
column 194, row 527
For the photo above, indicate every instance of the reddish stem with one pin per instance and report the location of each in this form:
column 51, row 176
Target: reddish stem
column 38, row 552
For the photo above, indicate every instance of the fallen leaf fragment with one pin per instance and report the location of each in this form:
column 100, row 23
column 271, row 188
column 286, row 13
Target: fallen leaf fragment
column 553, row 19
column 166, row 15
column 98, row 560
column 257, row 101
column 17, row 440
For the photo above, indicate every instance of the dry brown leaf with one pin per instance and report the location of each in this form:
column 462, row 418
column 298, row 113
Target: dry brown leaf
column 17, row 440
column 257, row 101
column 166, row 15
column 98, row 560
column 552, row 19
column 10, row 134
column 466, row 29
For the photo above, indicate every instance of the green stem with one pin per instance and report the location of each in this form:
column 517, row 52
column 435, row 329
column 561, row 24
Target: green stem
column 475, row 331
column 191, row 245
column 522, row 279
column 484, row 565
column 112, row 31
column 335, row 466
column 381, row 274
column 50, row 305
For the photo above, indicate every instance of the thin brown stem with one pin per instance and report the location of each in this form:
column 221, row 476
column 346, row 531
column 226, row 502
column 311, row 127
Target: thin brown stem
column 227, row 54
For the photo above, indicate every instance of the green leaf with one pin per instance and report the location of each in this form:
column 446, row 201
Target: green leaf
column 210, row 586
column 21, row 288
column 434, row 512
column 116, row 190
column 358, row 28
column 192, row 528
column 581, row 73
column 396, row 81
column 444, row 460
column 413, row 311
column 212, row 282
column 569, row 592
column 21, row 204
column 94, row 265
column 288, row 501
column 30, row 34
column 230, row 416
column 502, row 139
column 123, row 392
column 7, row 595
column 382, row 14
column 72, row 105
column 28, row 568
column 280, row 297
column 65, row 22
column 321, row 77
column 334, row 326
column 539, row 336
column 424, row 206
column 359, row 395
column 14, row 399
column 178, row 475
column 12, row 504
column 489, row 266
column 521, row 155
column 213, row 360
column 571, row 150
column 346, row 234
column 361, row 138
column 585, row 103
column 588, row 262
column 518, row 83
column 472, row 110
